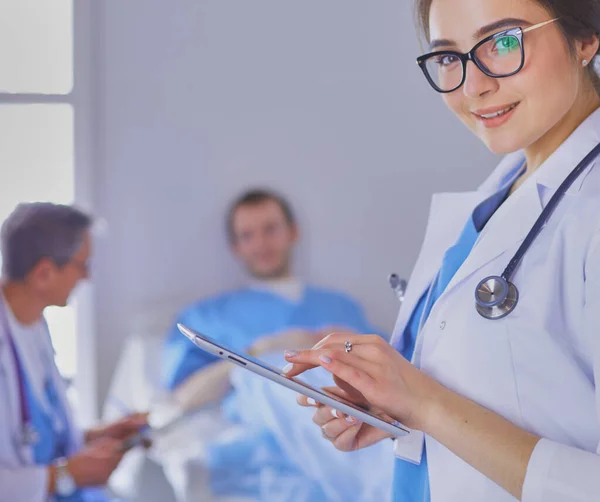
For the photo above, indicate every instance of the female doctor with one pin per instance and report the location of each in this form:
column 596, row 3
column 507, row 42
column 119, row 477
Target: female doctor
column 506, row 366
column 43, row 455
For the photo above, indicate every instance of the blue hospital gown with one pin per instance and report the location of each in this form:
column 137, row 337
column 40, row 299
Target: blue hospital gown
column 239, row 318
column 253, row 462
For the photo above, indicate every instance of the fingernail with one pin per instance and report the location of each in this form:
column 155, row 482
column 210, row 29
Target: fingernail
column 334, row 413
column 325, row 359
column 287, row 368
column 351, row 420
column 311, row 401
column 291, row 353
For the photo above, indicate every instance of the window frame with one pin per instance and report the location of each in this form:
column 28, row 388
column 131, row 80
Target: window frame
column 81, row 100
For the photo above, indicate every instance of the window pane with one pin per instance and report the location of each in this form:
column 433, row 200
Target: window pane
column 62, row 323
column 36, row 46
column 36, row 155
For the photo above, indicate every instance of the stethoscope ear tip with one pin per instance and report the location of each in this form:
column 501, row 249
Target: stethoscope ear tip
column 398, row 286
column 395, row 281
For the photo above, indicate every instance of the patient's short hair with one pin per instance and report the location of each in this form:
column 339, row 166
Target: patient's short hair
column 255, row 197
column 39, row 230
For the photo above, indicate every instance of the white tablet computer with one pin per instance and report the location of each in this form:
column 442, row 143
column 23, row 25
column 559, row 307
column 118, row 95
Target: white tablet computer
column 276, row 375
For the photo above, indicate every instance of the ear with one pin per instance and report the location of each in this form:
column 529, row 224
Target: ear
column 588, row 48
column 295, row 233
column 42, row 273
column 234, row 248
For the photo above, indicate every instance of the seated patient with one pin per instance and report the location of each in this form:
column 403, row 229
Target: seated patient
column 275, row 311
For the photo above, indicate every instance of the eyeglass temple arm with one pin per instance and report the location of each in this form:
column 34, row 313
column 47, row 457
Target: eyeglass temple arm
column 539, row 25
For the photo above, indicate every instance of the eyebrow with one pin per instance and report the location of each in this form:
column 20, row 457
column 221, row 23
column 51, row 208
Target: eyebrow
column 508, row 22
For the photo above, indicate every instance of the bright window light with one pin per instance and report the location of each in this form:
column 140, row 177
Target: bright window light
column 37, row 159
column 36, row 46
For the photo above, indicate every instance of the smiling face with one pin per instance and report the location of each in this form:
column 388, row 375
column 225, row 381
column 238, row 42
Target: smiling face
column 518, row 111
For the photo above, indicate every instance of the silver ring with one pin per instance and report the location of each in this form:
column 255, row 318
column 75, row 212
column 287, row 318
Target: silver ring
column 329, row 438
column 348, row 347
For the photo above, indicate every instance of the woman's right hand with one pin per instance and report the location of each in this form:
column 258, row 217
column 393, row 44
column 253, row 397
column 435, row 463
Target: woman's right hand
column 345, row 432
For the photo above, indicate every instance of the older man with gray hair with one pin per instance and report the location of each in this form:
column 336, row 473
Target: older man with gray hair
column 43, row 455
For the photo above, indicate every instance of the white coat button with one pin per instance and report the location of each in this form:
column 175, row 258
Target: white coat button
column 442, row 324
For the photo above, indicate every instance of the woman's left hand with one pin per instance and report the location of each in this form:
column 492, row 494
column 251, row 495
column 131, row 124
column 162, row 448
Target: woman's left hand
column 377, row 371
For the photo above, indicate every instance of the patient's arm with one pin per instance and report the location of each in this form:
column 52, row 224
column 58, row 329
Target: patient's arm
column 211, row 383
column 205, row 386
column 289, row 339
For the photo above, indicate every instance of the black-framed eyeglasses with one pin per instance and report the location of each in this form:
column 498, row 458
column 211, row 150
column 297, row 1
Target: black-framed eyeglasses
column 500, row 55
column 83, row 266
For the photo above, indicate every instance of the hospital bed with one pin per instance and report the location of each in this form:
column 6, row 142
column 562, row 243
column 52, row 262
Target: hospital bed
column 172, row 471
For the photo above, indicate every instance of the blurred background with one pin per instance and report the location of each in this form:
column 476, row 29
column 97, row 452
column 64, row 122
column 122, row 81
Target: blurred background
column 154, row 114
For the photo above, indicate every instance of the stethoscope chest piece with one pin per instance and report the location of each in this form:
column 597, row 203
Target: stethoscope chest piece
column 495, row 297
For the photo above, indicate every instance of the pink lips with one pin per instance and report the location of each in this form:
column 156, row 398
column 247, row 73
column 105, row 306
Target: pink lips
column 482, row 115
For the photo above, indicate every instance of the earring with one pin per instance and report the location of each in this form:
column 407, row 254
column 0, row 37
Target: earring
column 584, row 62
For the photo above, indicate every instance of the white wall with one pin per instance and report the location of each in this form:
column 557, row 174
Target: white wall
column 320, row 99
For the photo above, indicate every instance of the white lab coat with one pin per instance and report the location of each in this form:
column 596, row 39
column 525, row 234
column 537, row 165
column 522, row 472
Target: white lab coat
column 20, row 479
column 540, row 366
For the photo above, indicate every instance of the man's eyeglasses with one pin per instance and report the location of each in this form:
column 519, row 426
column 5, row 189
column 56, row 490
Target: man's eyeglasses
column 83, row 266
column 498, row 56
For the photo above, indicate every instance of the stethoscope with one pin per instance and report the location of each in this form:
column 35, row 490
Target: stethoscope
column 398, row 287
column 496, row 296
column 28, row 435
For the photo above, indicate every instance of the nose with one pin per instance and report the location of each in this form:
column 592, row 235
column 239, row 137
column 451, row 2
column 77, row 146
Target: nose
column 477, row 83
column 262, row 238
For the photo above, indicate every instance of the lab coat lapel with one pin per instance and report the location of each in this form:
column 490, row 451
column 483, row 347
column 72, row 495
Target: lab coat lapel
column 507, row 228
column 9, row 385
column 9, row 381
column 447, row 216
column 516, row 217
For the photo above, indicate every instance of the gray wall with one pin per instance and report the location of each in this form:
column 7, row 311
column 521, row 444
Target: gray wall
column 320, row 99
